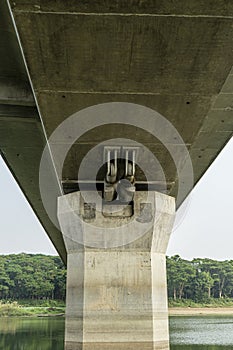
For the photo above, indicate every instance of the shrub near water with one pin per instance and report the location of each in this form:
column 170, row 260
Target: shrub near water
column 209, row 303
column 12, row 309
column 15, row 309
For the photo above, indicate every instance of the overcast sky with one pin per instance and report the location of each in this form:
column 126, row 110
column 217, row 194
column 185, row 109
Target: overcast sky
column 206, row 231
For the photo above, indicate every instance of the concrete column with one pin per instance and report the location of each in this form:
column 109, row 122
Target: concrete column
column 116, row 280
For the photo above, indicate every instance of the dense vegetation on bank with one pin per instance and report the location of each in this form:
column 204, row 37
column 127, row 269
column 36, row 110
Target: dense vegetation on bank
column 200, row 280
column 39, row 280
column 32, row 277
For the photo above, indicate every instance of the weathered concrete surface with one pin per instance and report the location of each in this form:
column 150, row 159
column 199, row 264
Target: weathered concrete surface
column 117, row 295
column 171, row 57
column 168, row 7
column 21, row 135
column 174, row 57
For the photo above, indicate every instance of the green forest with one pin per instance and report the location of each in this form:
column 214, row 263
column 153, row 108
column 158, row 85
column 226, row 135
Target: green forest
column 42, row 277
column 200, row 279
column 29, row 276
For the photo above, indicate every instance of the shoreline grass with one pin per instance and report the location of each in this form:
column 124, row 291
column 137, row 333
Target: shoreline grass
column 46, row 308
column 16, row 309
column 208, row 303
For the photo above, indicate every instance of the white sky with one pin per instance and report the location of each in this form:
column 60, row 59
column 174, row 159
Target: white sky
column 20, row 230
column 207, row 228
column 206, row 231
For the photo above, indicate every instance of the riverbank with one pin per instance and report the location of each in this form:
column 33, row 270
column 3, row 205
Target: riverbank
column 201, row 311
column 35, row 311
column 187, row 307
column 15, row 309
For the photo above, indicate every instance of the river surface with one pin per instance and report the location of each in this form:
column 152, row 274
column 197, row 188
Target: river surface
column 186, row 333
column 201, row 333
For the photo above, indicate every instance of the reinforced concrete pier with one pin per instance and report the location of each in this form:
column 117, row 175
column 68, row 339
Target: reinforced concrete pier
column 116, row 270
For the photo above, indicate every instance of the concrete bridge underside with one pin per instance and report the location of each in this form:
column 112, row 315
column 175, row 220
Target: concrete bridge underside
column 59, row 57
column 175, row 58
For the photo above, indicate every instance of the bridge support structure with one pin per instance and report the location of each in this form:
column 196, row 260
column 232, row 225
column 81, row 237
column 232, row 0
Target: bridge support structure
column 116, row 279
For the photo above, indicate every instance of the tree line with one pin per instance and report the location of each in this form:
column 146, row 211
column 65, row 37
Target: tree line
column 199, row 279
column 37, row 276
column 31, row 276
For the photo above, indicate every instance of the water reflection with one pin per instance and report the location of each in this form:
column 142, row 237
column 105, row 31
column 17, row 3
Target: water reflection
column 31, row 333
column 186, row 333
column 192, row 333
